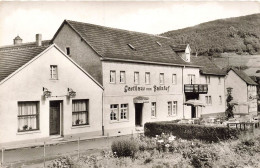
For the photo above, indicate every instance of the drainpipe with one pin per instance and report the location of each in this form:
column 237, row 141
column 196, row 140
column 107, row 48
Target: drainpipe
column 183, row 94
column 103, row 129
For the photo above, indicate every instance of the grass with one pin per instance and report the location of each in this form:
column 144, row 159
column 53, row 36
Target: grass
column 244, row 152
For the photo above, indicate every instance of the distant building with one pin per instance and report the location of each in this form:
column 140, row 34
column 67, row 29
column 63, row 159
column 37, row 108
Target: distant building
column 45, row 94
column 244, row 92
column 145, row 77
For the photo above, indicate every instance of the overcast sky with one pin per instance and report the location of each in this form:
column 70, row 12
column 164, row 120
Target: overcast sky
column 29, row 18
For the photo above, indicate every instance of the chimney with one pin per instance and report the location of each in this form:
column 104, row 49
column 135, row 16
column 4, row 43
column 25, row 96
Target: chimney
column 38, row 39
column 18, row 40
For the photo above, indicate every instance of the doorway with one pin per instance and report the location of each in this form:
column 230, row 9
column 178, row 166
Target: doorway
column 193, row 112
column 55, row 117
column 138, row 114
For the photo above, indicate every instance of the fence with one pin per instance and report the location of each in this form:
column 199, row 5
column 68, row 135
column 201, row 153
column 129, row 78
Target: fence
column 244, row 126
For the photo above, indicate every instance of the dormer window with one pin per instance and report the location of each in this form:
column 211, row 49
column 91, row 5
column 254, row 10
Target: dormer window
column 132, row 47
column 67, row 50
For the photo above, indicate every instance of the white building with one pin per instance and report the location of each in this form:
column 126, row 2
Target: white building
column 45, row 94
column 145, row 77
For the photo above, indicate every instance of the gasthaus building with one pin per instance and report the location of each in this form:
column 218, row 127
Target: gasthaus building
column 45, row 94
column 145, row 77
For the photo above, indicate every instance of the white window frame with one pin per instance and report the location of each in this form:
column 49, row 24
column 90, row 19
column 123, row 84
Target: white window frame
column 78, row 112
column 124, row 111
column 147, row 78
column 27, row 127
column 153, row 109
column 53, row 69
column 122, row 74
column 111, row 76
column 208, row 100
column 174, row 79
column 161, row 78
column 172, row 108
column 136, row 78
column 191, row 77
column 114, row 110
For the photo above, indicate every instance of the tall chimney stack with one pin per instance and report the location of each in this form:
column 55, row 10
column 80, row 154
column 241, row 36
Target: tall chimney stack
column 38, row 39
column 18, row 40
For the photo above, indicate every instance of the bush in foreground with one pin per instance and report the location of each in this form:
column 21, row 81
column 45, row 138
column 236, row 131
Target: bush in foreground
column 191, row 131
column 125, row 148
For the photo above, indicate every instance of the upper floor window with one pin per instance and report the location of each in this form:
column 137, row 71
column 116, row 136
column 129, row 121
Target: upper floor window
column 28, row 116
column 112, row 76
column 191, row 79
column 67, row 50
column 122, row 76
column 147, row 77
column 207, row 79
column 54, row 72
column 219, row 80
column 161, row 78
column 208, row 100
column 80, row 112
column 136, row 77
column 153, row 109
column 174, row 79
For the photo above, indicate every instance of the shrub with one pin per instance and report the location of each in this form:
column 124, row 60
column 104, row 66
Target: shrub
column 125, row 148
column 191, row 131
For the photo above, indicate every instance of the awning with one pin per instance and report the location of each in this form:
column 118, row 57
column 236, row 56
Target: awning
column 141, row 99
column 194, row 103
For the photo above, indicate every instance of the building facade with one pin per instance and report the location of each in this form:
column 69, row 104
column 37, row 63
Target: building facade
column 45, row 94
column 243, row 91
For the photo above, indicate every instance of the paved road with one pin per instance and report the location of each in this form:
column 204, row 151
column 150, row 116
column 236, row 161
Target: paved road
column 26, row 156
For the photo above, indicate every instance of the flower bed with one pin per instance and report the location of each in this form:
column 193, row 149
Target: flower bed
column 191, row 131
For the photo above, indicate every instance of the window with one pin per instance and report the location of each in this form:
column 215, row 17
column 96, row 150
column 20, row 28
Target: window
column 174, row 79
column 208, row 100
column 172, row 108
column 112, row 76
column 136, row 77
column 191, row 79
column 161, row 78
column 68, row 50
column 80, row 112
column 124, row 111
column 113, row 112
column 220, row 99
column 54, row 71
column 122, row 76
column 207, row 79
column 147, row 77
column 153, row 109
column 28, row 116
column 219, row 80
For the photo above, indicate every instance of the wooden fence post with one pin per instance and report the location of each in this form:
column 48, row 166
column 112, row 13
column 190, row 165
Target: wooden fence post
column 2, row 160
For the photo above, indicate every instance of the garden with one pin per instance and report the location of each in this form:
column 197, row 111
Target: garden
column 208, row 147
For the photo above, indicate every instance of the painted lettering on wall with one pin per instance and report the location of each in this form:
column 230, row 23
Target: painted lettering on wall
column 143, row 88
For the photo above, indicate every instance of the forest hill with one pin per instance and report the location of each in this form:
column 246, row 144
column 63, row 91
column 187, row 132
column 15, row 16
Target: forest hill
column 142, row 88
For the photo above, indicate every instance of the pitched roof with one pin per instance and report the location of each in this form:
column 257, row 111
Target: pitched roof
column 24, row 45
column 126, row 45
column 12, row 59
column 207, row 66
column 243, row 76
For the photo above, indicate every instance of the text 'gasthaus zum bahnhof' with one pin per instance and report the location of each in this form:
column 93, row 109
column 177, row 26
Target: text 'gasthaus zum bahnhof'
column 143, row 88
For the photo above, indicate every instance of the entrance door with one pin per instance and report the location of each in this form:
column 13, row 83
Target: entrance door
column 193, row 112
column 55, row 108
column 138, row 114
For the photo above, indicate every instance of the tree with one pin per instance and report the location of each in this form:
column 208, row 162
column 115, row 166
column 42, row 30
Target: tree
column 230, row 106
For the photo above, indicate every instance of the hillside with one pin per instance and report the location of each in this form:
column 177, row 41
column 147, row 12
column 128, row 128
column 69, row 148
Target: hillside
column 240, row 35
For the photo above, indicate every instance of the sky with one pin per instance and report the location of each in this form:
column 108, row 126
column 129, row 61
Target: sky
column 29, row 18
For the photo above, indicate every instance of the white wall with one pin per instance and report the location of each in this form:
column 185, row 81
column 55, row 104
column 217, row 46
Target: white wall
column 27, row 84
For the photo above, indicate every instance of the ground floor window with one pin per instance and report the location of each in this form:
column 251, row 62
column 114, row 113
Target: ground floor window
column 153, row 109
column 80, row 112
column 208, row 100
column 172, row 108
column 124, row 111
column 28, row 116
column 113, row 112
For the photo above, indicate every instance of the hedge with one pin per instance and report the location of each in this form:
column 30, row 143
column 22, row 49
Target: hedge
column 191, row 131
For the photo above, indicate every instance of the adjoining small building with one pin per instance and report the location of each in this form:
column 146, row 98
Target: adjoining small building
column 243, row 90
column 45, row 94
column 145, row 77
